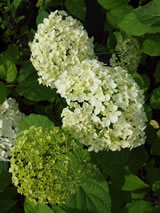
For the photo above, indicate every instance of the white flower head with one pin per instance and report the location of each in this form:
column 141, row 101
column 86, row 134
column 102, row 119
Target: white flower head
column 60, row 42
column 10, row 116
column 110, row 117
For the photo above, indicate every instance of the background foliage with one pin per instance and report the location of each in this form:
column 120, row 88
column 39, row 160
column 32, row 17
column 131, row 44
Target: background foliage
column 129, row 180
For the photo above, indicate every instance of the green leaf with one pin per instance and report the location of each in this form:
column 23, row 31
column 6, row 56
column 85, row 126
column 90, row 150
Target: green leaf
column 116, row 15
column 32, row 90
column 112, row 163
column 41, row 15
column 26, row 69
column 151, row 46
column 29, row 207
column 110, row 4
column 155, row 98
column 3, row 93
column 15, row 4
column 5, row 176
column 149, row 13
column 35, row 120
column 132, row 182
column 139, row 206
column 8, row 70
column 13, row 52
column 92, row 196
column 77, row 8
column 137, row 29
column 5, row 205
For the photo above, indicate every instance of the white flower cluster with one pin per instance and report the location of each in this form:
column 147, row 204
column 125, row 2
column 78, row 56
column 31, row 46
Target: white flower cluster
column 60, row 42
column 105, row 105
column 127, row 54
column 105, row 109
column 10, row 116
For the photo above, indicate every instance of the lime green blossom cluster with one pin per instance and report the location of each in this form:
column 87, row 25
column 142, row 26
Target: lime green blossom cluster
column 127, row 53
column 47, row 165
column 60, row 42
column 105, row 109
column 10, row 117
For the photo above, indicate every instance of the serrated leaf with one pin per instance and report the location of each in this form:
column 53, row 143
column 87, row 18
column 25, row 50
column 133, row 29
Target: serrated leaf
column 140, row 206
column 5, row 205
column 41, row 15
column 110, row 4
column 132, row 182
column 35, row 120
column 77, row 8
column 29, row 207
column 5, row 176
column 155, row 98
column 151, row 45
column 3, row 92
column 32, row 90
column 92, row 196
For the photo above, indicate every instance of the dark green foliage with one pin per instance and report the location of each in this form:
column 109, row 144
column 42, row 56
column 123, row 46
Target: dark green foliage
column 130, row 179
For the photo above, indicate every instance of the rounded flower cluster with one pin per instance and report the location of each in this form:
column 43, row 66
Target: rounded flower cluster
column 48, row 166
column 60, row 42
column 105, row 107
column 10, row 116
column 127, row 54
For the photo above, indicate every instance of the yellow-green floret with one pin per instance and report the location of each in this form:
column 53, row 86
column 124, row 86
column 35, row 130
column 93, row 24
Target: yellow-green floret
column 48, row 165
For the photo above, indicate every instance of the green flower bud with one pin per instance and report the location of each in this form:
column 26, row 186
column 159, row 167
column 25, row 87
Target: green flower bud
column 47, row 165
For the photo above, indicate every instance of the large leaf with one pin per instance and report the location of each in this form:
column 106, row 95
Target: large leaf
column 32, row 90
column 110, row 4
column 93, row 196
column 132, row 182
column 151, row 45
column 77, row 8
column 35, row 120
column 131, row 25
column 5, row 205
column 5, row 176
column 140, row 206
column 29, row 207
column 3, row 93
column 155, row 98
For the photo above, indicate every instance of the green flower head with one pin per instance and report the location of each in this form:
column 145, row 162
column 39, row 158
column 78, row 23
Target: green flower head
column 47, row 165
